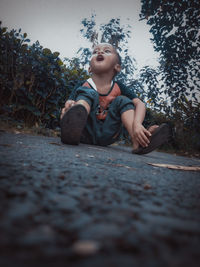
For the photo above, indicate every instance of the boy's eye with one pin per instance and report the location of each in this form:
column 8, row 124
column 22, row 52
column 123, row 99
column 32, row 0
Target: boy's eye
column 107, row 51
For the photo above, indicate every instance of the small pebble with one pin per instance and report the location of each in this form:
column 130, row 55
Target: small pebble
column 62, row 176
column 147, row 186
column 85, row 247
column 90, row 156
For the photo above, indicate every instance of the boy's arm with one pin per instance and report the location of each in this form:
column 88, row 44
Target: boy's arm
column 140, row 134
column 70, row 102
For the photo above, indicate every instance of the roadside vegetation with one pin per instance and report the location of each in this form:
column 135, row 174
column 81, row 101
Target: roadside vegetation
column 35, row 82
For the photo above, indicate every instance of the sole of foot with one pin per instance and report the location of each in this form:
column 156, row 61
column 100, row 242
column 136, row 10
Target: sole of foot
column 160, row 136
column 72, row 124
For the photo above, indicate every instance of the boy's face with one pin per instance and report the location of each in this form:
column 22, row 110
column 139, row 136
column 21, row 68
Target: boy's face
column 104, row 59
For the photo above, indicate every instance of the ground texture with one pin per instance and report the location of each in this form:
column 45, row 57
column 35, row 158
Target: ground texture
column 85, row 205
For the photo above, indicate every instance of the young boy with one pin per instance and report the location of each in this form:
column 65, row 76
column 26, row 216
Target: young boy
column 97, row 108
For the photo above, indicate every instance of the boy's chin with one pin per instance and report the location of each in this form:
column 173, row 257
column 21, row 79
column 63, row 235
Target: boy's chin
column 99, row 67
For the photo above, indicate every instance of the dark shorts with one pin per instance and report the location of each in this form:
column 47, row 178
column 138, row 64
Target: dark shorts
column 102, row 132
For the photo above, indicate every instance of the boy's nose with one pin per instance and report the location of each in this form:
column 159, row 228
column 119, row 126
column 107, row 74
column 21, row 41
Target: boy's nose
column 100, row 52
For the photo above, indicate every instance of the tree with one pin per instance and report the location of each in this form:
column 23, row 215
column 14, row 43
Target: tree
column 175, row 29
column 147, row 85
column 149, row 79
column 114, row 33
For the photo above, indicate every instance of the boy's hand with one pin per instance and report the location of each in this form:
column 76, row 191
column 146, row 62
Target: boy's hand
column 140, row 134
column 68, row 104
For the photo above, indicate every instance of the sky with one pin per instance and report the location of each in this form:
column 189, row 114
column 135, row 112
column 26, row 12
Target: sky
column 56, row 24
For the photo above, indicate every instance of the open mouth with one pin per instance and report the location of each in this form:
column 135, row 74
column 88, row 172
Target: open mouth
column 100, row 58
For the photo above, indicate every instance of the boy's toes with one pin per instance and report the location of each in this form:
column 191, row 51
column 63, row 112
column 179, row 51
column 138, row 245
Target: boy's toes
column 152, row 128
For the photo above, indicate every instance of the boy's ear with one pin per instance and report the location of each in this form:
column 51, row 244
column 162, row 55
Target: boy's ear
column 117, row 68
column 89, row 69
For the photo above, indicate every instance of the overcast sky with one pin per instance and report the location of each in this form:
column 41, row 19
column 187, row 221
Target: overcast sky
column 56, row 23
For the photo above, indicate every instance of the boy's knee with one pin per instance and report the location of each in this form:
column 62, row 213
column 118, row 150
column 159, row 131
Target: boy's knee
column 121, row 98
column 122, row 101
column 87, row 94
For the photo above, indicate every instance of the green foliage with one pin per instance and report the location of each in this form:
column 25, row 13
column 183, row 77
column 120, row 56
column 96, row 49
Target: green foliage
column 149, row 79
column 34, row 82
column 114, row 33
column 146, row 86
column 186, row 121
column 175, row 30
column 185, row 124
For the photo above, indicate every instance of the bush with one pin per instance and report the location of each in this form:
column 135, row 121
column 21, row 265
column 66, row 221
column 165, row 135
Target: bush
column 34, row 81
column 184, row 122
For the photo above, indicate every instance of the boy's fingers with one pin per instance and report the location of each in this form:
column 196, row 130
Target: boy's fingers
column 69, row 103
column 62, row 112
column 142, row 137
column 143, row 140
column 147, row 133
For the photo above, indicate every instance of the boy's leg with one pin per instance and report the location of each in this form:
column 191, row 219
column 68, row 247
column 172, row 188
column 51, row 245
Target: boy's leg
column 74, row 120
column 127, row 118
column 83, row 103
column 112, row 126
column 72, row 124
column 160, row 134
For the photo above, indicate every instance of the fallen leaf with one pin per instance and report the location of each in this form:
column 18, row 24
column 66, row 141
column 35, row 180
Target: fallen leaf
column 97, row 148
column 6, row 145
column 53, row 143
column 16, row 132
column 176, row 167
column 85, row 247
column 62, row 176
column 120, row 165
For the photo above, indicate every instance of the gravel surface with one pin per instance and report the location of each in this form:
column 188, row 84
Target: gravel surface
column 95, row 206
